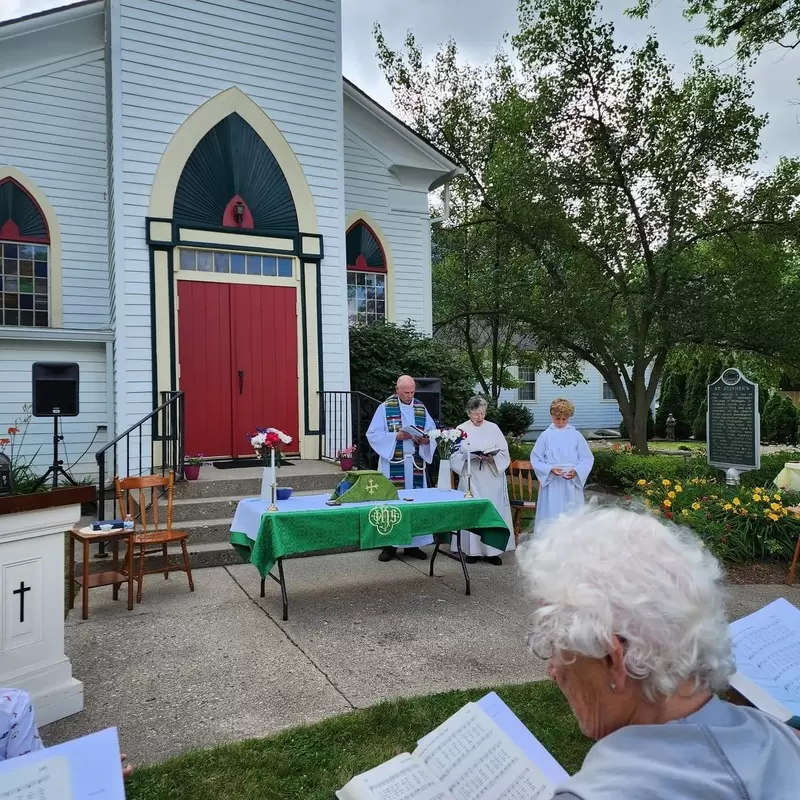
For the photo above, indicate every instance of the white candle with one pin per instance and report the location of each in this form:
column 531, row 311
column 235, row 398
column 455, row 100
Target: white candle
column 272, row 451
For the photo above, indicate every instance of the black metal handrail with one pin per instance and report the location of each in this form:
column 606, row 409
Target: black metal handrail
column 166, row 432
column 344, row 418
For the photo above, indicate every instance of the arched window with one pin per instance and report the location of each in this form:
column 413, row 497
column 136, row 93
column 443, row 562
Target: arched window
column 24, row 259
column 366, row 275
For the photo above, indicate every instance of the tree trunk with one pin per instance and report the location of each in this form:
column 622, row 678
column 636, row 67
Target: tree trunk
column 640, row 407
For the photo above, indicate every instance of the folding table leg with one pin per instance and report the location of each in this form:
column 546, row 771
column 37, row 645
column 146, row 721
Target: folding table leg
column 463, row 562
column 433, row 557
column 284, row 598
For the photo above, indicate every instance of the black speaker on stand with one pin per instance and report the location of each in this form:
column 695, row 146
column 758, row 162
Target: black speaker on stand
column 429, row 392
column 55, row 394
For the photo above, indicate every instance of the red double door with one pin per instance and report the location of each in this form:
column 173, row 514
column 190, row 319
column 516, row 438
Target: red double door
column 237, row 348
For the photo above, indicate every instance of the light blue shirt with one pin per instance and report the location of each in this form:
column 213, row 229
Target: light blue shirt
column 721, row 752
column 18, row 733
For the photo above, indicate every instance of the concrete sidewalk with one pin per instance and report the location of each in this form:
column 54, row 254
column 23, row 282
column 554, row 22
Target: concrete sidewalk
column 185, row 670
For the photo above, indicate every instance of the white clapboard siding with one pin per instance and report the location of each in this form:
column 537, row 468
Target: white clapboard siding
column 53, row 129
column 591, row 410
column 16, row 358
column 403, row 216
column 176, row 55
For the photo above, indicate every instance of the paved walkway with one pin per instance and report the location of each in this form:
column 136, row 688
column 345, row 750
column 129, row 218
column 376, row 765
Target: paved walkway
column 195, row 670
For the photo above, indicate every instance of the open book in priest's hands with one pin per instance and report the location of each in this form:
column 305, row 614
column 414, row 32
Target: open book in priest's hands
column 483, row 752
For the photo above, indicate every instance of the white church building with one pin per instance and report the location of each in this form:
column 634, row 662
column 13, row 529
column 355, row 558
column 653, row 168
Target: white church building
column 193, row 198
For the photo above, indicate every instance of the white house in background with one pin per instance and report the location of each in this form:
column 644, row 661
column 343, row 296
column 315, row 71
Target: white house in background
column 595, row 405
column 192, row 197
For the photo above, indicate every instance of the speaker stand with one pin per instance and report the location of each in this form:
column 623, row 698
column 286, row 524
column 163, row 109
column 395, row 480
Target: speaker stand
column 55, row 469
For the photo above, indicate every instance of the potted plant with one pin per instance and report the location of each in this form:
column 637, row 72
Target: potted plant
column 21, row 489
column 346, row 458
column 192, row 467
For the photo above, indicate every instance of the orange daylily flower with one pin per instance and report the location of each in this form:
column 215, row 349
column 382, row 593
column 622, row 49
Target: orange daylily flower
column 13, row 431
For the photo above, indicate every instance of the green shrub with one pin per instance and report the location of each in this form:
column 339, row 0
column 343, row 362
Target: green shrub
column 513, row 419
column 602, row 471
column 379, row 353
column 699, row 426
column 519, row 451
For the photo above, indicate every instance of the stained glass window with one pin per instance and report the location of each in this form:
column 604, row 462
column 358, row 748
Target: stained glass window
column 24, row 259
column 366, row 297
column 366, row 276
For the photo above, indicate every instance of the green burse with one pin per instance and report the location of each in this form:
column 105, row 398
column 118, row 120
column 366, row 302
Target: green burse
column 384, row 525
column 364, row 486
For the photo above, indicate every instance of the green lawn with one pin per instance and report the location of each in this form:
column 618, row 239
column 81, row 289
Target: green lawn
column 657, row 444
column 311, row 763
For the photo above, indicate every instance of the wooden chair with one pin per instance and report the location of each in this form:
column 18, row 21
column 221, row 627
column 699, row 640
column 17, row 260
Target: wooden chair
column 133, row 496
column 793, row 568
column 521, row 483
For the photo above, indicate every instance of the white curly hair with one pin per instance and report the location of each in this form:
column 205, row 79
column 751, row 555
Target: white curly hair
column 603, row 571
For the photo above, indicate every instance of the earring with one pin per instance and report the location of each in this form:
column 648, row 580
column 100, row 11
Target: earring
column 613, row 687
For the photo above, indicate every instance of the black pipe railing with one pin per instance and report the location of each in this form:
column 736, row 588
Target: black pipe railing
column 344, row 418
column 161, row 432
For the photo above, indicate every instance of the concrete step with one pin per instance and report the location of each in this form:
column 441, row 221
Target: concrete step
column 202, row 510
column 213, row 482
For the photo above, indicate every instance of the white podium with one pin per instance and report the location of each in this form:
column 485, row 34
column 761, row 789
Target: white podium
column 32, row 610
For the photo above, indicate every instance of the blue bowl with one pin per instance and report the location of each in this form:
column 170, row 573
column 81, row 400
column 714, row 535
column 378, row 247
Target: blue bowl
column 284, row 492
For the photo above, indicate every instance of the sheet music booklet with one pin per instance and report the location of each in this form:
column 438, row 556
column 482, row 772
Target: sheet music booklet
column 88, row 768
column 483, row 752
column 766, row 646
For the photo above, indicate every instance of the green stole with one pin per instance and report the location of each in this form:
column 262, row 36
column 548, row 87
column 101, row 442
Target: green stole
column 397, row 464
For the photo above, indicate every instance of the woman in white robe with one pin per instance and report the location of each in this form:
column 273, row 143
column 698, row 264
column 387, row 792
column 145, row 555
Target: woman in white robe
column 488, row 477
column 562, row 461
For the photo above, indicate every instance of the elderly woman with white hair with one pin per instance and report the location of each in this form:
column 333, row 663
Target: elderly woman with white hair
column 489, row 459
column 630, row 616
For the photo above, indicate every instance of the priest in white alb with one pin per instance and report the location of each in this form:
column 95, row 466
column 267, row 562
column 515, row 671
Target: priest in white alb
column 402, row 456
column 562, row 461
column 488, row 462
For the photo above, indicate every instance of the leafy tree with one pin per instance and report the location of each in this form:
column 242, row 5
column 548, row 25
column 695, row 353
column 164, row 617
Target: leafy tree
column 754, row 23
column 475, row 280
column 695, row 393
column 699, row 426
column 615, row 181
column 379, row 353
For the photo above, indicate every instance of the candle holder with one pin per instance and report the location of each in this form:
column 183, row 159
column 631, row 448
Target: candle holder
column 468, row 493
column 272, row 506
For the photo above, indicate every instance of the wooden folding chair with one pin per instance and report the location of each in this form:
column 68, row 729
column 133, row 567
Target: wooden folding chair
column 521, row 484
column 134, row 495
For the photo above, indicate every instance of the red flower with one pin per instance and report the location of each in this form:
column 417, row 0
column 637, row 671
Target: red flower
column 708, row 516
column 724, row 539
column 272, row 440
column 668, row 514
column 4, row 442
column 13, row 431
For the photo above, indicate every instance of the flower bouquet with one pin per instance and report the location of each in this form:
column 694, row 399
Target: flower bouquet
column 267, row 442
column 447, row 441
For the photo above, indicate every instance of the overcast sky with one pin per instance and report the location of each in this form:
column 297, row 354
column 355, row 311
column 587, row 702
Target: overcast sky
column 478, row 27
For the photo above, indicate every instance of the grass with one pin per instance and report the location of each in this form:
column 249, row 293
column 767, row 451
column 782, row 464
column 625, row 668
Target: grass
column 313, row 762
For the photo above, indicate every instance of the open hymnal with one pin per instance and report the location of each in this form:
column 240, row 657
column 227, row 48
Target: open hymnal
column 413, row 431
column 483, row 752
column 766, row 647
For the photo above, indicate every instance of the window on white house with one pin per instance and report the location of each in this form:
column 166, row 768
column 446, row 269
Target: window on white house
column 608, row 392
column 528, row 389
column 24, row 294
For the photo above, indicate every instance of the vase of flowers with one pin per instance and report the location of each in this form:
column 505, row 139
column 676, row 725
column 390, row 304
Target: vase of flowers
column 447, row 442
column 346, row 458
column 192, row 467
column 267, row 442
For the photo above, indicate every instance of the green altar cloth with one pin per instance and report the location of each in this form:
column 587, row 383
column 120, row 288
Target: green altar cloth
column 307, row 524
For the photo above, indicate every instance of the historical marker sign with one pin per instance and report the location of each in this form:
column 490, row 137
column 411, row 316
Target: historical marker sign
column 732, row 426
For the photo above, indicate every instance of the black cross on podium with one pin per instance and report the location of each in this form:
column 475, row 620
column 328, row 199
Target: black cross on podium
column 21, row 592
